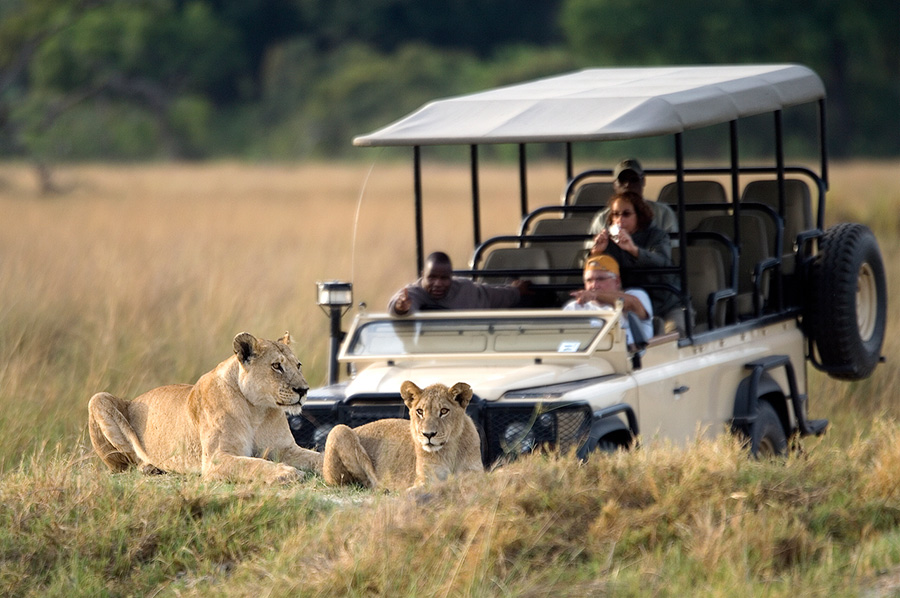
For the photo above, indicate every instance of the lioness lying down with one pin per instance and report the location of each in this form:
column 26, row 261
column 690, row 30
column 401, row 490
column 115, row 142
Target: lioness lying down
column 225, row 426
column 394, row 454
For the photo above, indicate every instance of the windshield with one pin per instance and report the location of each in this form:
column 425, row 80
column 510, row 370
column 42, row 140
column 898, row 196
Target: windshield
column 573, row 334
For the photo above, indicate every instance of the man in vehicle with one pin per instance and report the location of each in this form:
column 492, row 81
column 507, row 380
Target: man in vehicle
column 628, row 175
column 439, row 289
column 603, row 287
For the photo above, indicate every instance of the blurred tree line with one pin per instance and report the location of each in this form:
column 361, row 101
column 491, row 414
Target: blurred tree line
column 288, row 79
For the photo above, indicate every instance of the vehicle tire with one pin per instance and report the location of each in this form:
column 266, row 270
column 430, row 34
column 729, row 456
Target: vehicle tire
column 767, row 437
column 848, row 308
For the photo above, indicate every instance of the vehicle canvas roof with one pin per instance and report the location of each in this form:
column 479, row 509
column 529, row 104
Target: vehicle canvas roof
column 604, row 104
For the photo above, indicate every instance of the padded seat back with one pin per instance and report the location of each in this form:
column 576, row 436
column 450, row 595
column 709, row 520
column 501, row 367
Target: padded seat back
column 754, row 248
column 695, row 192
column 706, row 276
column 562, row 254
column 510, row 258
column 595, row 193
column 797, row 205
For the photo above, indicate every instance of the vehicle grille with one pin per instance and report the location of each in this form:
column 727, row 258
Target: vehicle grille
column 508, row 429
column 514, row 429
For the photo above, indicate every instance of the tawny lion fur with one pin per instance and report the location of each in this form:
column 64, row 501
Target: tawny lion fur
column 227, row 426
column 394, row 454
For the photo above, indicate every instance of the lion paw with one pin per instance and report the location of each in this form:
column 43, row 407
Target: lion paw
column 284, row 474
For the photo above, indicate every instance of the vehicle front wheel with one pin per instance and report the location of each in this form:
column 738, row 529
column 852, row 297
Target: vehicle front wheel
column 767, row 437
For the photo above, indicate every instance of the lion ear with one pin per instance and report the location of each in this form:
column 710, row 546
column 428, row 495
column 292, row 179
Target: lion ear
column 287, row 339
column 245, row 346
column 463, row 393
column 410, row 393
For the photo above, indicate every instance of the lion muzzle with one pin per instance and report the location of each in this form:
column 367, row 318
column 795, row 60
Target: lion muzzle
column 428, row 443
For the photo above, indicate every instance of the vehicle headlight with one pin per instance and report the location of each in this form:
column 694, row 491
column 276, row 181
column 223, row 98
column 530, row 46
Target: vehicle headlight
column 545, row 422
column 320, row 435
column 518, row 437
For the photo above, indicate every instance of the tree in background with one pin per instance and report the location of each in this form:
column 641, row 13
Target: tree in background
column 853, row 46
column 137, row 77
column 289, row 79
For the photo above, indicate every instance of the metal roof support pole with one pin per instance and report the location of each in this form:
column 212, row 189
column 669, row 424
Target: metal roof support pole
column 779, row 160
column 476, row 209
column 417, row 192
column 570, row 164
column 682, row 234
column 735, row 182
column 823, row 145
column 523, row 180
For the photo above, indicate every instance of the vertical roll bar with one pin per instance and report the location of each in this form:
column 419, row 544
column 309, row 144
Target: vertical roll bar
column 735, row 182
column 476, row 209
column 823, row 144
column 523, row 180
column 682, row 234
column 417, row 192
column 779, row 160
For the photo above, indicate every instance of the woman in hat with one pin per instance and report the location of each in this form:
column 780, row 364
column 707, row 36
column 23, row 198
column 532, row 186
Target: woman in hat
column 631, row 239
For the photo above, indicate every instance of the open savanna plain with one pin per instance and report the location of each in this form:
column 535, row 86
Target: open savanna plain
column 137, row 276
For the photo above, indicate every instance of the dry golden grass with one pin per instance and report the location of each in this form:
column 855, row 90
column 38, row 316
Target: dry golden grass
column 141, row 275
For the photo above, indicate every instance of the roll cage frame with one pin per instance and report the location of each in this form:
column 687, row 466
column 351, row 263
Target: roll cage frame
column 820, row 185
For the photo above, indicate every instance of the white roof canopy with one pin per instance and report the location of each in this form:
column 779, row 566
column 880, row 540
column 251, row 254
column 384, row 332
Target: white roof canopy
column 605, row 104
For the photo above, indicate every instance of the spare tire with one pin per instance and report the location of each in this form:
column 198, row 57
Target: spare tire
column 848, row 306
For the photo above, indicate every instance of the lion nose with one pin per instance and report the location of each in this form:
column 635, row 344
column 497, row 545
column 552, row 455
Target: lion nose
column 301, row 392
column 429, row 435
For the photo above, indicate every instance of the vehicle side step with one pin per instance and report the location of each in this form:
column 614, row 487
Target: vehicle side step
column 816, row 426
column 807, row 427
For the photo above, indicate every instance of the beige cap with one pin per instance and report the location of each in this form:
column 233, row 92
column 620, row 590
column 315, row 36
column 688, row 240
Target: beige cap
column 602, row 262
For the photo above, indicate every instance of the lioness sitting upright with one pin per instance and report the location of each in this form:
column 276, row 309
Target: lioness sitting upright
column 394, row 454
column 225, row 426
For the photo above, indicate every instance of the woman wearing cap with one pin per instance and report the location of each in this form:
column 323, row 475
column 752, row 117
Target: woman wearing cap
column 631, row 239
column 602, row 287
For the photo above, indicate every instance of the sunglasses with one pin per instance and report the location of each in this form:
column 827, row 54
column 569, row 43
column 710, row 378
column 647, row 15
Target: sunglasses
column 622, row 214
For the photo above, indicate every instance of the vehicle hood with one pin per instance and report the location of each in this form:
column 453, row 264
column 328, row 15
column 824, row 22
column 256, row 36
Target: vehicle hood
column 488, row 382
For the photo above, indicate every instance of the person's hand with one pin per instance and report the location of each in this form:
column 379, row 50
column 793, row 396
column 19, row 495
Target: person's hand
column 523, row 286
column 601, row 242
column 626, row 243
column 581, row 296
column 403, row 303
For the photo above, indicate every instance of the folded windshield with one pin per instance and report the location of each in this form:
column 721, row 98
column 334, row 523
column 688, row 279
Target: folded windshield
column 555, row 335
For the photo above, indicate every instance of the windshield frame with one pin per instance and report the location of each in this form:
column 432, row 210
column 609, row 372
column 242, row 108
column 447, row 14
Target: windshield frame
column 489, row 326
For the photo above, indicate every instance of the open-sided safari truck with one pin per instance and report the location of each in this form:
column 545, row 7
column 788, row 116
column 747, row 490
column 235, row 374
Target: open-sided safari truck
column 768, row 288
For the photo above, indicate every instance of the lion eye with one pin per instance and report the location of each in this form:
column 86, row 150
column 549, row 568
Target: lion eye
column 444, row 411
column 420, row 413
column 277, row 367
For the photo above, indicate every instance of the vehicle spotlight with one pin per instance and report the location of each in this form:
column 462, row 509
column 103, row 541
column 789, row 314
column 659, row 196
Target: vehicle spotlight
column 335, row 298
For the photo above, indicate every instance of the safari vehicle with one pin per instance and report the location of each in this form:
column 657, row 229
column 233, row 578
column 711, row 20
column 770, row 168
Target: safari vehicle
column 769, row 288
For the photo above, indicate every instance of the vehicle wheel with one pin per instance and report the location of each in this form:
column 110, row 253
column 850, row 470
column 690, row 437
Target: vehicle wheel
column 849, row 306
column 610, row 443
column 767, row 437
column 609, row 446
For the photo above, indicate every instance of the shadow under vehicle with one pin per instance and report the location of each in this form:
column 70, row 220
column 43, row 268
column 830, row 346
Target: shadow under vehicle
column 768, row 287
